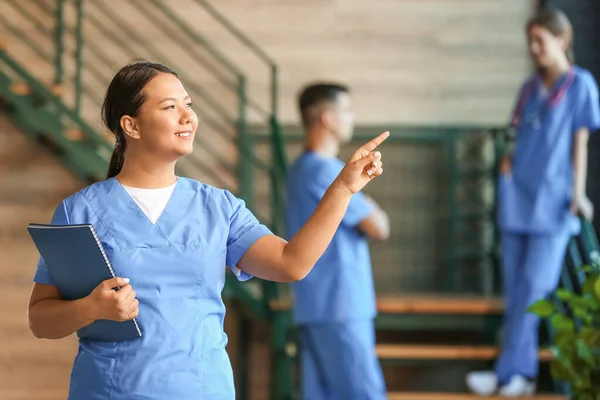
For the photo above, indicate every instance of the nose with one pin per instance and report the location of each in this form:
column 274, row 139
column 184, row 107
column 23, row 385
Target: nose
column 188, row 116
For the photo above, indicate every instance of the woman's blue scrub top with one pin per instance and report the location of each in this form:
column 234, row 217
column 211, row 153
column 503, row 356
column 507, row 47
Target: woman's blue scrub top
column 177, row 268
column 536, row 197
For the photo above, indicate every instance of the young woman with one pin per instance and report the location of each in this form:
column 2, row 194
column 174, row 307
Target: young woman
column 541, row 191
column 169, row 239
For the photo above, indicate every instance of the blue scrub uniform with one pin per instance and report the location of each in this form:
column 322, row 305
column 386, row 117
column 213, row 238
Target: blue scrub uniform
column 177, row 268
column 335, row 304
column 534, row 201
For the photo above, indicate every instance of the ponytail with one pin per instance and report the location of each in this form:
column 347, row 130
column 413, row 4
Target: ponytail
column 116, row 160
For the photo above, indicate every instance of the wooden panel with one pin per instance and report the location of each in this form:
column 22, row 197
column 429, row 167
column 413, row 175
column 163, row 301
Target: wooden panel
column 418, row 352
column 417, row 62
column 414, row 61
column 33, row 184
column 439, row 305
column 465, row 396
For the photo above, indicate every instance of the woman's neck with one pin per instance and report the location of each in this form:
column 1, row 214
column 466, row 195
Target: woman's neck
column 146, row 173
column 551, row 74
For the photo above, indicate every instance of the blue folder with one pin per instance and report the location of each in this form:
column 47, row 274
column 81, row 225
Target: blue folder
column 77, row 263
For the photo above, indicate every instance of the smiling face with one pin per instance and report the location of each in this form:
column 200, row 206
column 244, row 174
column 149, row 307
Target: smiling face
column 165, row 125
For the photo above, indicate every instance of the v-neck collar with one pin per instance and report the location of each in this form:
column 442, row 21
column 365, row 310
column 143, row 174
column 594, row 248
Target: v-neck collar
column 131, row 203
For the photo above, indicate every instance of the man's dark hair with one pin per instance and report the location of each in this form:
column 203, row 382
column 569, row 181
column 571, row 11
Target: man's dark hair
column 314, row 95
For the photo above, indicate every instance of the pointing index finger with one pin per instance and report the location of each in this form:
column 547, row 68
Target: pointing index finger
column 372, row 145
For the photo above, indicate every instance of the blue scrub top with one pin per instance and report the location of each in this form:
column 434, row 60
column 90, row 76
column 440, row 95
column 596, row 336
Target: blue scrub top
column 536, row 197
column 340, row 286
column 177, row 268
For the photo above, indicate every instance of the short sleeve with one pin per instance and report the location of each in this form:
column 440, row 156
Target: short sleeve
column 244, row 231
column 60, row 218
column 587, row 108
column 359, row 207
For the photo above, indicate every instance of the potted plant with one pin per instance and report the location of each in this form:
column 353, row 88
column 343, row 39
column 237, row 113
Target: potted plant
column 576, row 339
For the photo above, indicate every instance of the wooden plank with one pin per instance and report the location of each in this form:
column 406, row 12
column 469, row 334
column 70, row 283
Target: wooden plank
column 20, row 88
column 74, row 135
column 439, row 305
column 466, row 396
column 436, row 352
column 57, row 89
column 424, row 304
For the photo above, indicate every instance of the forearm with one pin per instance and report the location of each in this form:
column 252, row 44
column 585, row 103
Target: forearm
column 56, row 319
column 580, row 158
column 306, row 247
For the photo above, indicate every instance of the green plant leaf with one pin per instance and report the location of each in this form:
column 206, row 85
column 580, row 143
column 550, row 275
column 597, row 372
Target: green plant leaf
column 591, row 336
column 588, row 286
column 563, row 294
column 559, row 371
column 587, row 301
column 597, row 287
column 544, row 308
column 562, row 323
column 565, row 339
column 585, row 352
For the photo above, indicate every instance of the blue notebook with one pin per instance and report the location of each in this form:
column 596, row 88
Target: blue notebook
column 77, row 263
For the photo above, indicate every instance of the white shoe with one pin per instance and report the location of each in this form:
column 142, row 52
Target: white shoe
column 483, row 383
column 518, row 386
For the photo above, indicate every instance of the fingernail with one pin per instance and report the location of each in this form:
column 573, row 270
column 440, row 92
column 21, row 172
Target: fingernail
column 126, row 280
column 377, row 154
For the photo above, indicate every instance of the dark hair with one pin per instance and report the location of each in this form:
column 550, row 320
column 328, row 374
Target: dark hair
column 557, row 22
column 125, row 96
column 315, row 94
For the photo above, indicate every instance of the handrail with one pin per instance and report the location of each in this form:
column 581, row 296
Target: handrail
column 210, row 100
column 204, row 42
column 251, row 45
column 220, row 57
column 93, row 137
column 167, row 29
column 236, row 32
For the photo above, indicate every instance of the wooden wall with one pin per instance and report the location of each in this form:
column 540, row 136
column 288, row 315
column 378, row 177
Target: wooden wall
column 411, row 62
column 408, row 61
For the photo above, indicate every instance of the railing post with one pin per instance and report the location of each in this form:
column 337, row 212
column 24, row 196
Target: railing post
column 274, row 91
column 59, row 42
column 78, row 55
column 244, row 163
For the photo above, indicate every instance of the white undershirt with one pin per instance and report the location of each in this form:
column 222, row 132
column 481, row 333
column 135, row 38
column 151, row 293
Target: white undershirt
column 151, row 201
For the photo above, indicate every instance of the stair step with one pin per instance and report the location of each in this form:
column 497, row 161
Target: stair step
column 20, row 88
column 424, row 304
column 436, row 352
column 75, row 135
column 466, row 396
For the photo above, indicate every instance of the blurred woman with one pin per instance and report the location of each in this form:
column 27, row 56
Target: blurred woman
column 541, row 192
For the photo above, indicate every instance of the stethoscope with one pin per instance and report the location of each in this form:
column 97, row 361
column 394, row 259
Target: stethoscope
column 551, row 100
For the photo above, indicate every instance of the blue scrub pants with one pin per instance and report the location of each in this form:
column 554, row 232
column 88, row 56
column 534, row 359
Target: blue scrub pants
column 339, row 362
column 532, row 268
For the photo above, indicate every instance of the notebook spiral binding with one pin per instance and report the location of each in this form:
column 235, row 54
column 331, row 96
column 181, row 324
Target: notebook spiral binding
column 110, row 268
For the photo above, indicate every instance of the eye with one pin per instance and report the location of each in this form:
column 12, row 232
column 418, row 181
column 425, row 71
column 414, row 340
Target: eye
column 189, row 104
column 171, row 107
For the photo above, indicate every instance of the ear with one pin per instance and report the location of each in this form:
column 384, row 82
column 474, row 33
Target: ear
column 130, row 127
column 326, row 119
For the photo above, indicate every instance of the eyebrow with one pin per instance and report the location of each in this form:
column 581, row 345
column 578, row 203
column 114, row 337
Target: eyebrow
column 173, row 99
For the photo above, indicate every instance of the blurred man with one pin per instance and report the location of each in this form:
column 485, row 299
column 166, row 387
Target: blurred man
column 335, row 304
